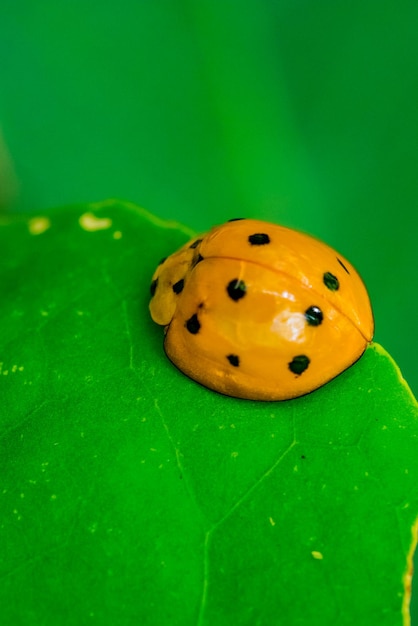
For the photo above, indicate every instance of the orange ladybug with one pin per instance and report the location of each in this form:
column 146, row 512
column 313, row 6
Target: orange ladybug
column 259, row 311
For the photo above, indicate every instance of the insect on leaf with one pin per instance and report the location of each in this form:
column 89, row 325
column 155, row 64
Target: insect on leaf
column 130, row 494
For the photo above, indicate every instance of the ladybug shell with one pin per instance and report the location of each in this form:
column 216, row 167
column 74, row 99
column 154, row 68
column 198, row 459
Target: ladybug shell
column 260, row 311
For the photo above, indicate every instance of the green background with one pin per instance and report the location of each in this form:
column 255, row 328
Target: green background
column 303, row 113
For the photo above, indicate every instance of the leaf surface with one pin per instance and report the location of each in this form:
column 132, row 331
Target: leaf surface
column 130, row 494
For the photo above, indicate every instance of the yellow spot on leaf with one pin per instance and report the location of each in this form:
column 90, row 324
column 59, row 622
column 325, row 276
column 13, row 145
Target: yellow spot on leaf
column 272, row 522
column 317, row 555
column 38, row 225
column 91, row 223
column 117, row 234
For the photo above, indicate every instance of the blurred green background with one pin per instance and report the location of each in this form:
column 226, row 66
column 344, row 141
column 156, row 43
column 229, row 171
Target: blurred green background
column 300, row 112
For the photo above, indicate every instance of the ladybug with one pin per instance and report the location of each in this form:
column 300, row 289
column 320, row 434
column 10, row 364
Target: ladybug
column 259, row 311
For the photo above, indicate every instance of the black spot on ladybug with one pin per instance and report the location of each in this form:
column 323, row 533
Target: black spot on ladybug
column 299, row 364
column 233, row 359
column 236, row 289
column 197, row 259
column 195, row 243
column 236, row 219
column 314, row 316
column 342, row 265
column 178, row 286
column 259, row 239
column 331, row 282
column 162, row 260
column 153, row 287
column 193, row 325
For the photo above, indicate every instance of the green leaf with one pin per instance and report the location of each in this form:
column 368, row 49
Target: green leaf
column 131, row 495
